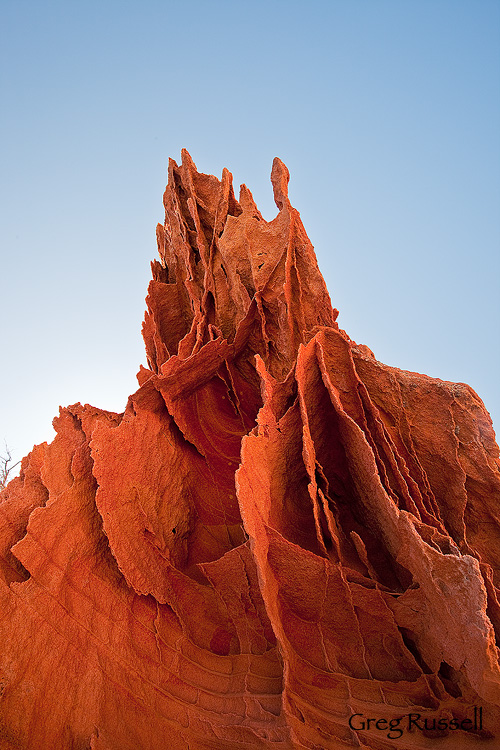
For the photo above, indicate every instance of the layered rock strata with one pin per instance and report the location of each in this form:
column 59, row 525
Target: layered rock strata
column 281, row 542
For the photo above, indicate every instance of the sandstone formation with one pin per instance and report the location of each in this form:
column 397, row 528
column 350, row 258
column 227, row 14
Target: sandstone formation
column 281, row 543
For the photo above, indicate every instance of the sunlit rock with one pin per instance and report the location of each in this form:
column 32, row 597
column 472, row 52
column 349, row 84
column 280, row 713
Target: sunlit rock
column 281, row 542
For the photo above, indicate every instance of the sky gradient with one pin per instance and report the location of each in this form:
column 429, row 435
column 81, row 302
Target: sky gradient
column 387, row 114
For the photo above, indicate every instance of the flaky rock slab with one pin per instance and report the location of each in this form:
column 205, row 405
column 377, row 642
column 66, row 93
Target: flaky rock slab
column 278, row 534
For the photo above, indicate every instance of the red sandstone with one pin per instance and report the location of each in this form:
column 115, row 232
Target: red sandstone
column 278, row 533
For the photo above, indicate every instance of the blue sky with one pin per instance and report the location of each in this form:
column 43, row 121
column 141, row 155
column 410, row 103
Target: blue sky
column 387, row 113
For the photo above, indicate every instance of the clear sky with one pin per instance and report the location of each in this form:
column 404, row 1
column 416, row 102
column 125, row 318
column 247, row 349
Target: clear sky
column 387, row 113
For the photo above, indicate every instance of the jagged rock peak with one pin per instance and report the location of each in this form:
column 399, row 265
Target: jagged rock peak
column 226, row 272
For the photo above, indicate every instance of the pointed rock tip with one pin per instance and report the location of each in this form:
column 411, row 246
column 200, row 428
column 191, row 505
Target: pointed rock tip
column 227, row 177
column 186, row 159
column 280, row 177
column 247, row 202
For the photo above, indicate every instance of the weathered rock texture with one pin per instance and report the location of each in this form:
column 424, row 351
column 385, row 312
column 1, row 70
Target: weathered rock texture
column 278, row 533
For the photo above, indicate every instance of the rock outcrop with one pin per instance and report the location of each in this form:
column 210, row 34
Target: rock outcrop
column 281, row 542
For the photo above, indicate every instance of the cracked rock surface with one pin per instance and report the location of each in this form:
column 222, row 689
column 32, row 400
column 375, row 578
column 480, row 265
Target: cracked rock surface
column 279, row 533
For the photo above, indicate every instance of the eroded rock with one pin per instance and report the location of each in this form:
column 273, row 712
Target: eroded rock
column 278, row 534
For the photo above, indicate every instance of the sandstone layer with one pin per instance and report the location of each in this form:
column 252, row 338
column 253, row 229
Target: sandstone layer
column 279, row 539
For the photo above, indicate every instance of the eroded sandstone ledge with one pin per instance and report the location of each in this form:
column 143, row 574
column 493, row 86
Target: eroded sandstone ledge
column 278, row 533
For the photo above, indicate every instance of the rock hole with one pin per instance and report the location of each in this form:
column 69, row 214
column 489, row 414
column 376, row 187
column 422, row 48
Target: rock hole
column 450, row 677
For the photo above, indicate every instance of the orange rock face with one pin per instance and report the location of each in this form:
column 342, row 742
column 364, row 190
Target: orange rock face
column 281, row 543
